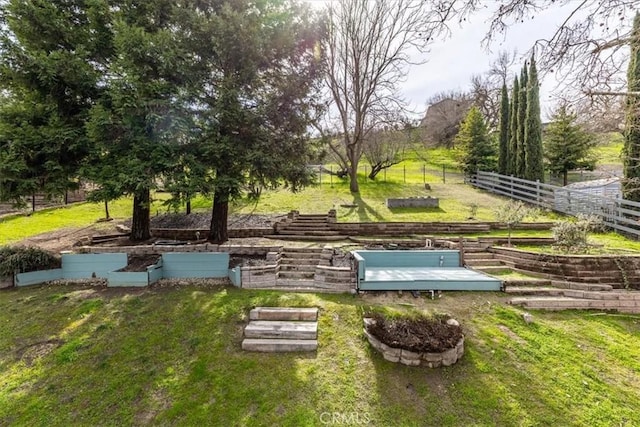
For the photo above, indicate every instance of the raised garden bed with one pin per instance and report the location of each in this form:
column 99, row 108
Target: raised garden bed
column 421, row 341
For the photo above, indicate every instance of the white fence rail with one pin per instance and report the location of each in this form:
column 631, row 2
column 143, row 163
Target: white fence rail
column 618, row 214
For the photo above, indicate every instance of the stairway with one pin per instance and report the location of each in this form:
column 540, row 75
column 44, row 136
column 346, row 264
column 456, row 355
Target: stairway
column 281, row 329
column 480, row 259
column 559, row 295
column 307, row 227
column 298, row 267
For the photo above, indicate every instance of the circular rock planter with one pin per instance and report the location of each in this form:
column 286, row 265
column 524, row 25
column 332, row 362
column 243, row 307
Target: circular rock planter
column 431, row 342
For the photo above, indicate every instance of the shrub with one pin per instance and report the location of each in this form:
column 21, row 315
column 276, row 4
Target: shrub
column 572, row 236
column 23, row 259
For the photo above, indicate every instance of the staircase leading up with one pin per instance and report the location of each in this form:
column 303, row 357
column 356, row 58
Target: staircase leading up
column 281, row 329
column 315, row 227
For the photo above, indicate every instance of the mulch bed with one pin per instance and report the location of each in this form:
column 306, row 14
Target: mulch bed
column 140, row 262
column 421, row 335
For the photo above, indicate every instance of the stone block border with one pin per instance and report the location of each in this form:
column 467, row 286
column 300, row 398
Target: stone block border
column 410, row 358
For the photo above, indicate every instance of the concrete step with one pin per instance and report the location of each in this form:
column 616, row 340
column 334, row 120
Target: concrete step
column 290, row 283
column 528, row 282
column 309, row 232
column 581, row 286
column 483, row 262
column 567, row 303
column 492, row 268
column 308, row 275
column 304, row 238
column 478, row 255
column 286, row 329
column 290, row 250
column 284, row 313
column 278, row 345
column 298, row 267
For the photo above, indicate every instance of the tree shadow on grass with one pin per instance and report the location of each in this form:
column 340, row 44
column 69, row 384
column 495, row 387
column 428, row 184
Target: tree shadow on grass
column 365, row 212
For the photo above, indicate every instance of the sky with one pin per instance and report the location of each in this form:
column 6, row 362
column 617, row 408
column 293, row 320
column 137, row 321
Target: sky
column 453, row 61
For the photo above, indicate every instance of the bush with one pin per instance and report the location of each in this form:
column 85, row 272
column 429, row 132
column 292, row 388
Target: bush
column 22, row 259
column 572, row 236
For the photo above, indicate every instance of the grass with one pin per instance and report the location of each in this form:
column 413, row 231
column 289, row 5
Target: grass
column 71, row 355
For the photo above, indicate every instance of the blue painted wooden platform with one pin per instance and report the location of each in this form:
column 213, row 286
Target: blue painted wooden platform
column 419, row 271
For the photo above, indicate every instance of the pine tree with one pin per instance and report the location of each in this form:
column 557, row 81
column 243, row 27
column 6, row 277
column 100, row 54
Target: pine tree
column 475, row 149
column 534, row 159
column 503, row 156
column 631, row 150
column 567, row 146
column 522, row 116
column 513, row 127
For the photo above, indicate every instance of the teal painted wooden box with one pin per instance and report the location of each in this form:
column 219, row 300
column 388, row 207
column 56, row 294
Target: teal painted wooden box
column 418, row 270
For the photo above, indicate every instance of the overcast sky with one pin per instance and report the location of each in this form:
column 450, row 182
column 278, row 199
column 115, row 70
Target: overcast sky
column 451, row 62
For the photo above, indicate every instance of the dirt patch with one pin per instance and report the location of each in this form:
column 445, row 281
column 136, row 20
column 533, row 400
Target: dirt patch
column 422, row 335
column 140, row 262
column 33, row 352
column 202, row 220
column 248, row 261
column 512, row 335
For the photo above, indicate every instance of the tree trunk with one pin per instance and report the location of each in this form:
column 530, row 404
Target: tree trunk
column 188, row 205
column 353, row 170
column 33, row 202
column 106, row 209
column 218, row 232
column 140, row 225
column 565, row 177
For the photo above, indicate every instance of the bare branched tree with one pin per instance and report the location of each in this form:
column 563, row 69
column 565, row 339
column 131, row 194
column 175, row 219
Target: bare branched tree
column 368, row 50
column 387, row 146
column 588, row 51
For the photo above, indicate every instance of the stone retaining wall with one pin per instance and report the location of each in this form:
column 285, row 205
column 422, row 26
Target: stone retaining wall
column 410, row 358
column 619, row 271
column 203, row 233
column 408, row 228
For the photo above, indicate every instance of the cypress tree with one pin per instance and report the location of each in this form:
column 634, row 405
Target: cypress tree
column 631, row 151
column 503, row 155
column 513, row 127
column 522, row 115
column 534, row 161
column 475, row 150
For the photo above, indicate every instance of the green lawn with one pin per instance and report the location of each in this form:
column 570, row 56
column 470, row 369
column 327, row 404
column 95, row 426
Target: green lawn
column 72, row 355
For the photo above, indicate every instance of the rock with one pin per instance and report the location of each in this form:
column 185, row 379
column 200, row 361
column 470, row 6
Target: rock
column 453, row 322
column 528, row 318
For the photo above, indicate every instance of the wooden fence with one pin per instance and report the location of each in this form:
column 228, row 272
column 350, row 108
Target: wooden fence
column 616, row 213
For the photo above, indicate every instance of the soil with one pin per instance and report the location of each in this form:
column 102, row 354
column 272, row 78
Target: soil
column 67, row 238
column 421, row 335
column 140, row 262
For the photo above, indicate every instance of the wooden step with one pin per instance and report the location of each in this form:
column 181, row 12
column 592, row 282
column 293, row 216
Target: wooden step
column 278, row 345
column 284, row 313
column 285, row 329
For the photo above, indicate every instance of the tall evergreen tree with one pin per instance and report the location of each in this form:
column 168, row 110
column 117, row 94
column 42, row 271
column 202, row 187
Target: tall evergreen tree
column 567, row 146
column 631, row 150
column 476, row 151
column 503, row 155
column 513, row 127
column 522, row 117
column 138, row 120
column 49, row 83
column 257, row 73
column 534, row 159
